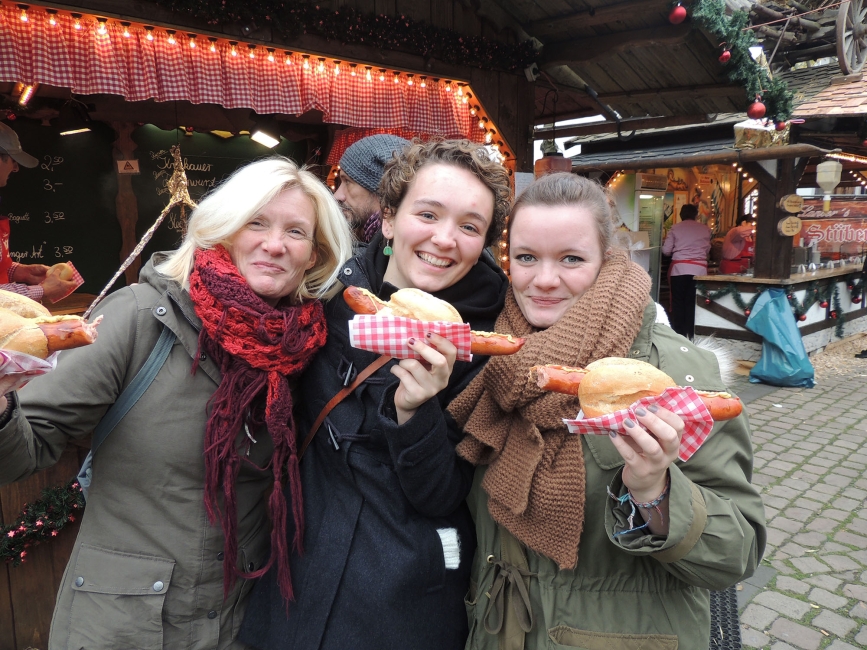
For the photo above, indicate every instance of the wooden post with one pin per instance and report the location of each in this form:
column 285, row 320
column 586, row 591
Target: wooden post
column 773, row 251
column 126, row 204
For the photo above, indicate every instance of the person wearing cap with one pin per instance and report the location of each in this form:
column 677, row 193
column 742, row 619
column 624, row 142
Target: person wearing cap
column 30, row 280
column 361, row 168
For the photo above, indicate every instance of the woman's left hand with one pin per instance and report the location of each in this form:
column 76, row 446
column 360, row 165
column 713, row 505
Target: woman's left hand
column 422, row 379
column 649, row 448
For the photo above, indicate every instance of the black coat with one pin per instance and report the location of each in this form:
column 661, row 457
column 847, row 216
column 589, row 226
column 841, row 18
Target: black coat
column 373, row 574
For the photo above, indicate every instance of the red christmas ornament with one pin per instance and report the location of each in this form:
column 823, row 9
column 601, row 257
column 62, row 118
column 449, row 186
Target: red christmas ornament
column 856, row 299
column 725, row 56
column 833, row 314
column 746, row 312
column 864, row 143
column 823, row 304
column 788, row 296
column 707, row 301
column 802, row 317
column 757, row 109
column 10, row 115
column 780, row 125
column 677, row 14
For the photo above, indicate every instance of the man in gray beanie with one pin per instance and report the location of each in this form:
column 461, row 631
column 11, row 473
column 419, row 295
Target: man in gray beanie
column 361, row 168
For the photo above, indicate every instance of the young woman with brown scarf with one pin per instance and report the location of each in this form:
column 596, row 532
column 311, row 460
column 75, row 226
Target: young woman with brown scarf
column 558, row 564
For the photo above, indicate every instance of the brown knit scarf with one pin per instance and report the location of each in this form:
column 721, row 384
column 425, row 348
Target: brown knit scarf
column 535, row 478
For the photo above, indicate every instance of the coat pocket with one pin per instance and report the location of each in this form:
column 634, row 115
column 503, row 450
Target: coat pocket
column 118, row 600
column 563, row 636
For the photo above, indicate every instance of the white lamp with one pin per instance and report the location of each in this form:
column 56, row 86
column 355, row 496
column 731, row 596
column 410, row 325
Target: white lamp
column 828, row 177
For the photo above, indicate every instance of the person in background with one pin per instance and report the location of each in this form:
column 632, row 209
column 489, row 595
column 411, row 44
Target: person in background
column 738, row 247
column 361, row 168
column 688, row 244
column 186, row 487
column 388, row 539
column 589, row 541
column 31, row 280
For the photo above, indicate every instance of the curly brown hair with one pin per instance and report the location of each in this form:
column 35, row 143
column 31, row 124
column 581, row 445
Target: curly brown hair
column 403, row 168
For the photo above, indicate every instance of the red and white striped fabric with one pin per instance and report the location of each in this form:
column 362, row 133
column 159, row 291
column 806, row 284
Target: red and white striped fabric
column 88, row 62
column 76, row 277
column 685, row 402
column 389, row 334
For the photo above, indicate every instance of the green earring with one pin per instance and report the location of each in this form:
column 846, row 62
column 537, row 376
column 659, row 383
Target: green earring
column 388, row 250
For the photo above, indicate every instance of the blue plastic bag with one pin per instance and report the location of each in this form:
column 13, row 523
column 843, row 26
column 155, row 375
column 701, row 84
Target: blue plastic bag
column 784, row 360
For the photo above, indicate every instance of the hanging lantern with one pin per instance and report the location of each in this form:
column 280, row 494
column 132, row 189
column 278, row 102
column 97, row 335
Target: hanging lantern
column 828, row 178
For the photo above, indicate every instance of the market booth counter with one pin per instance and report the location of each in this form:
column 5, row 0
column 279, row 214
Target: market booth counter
column 825, row 303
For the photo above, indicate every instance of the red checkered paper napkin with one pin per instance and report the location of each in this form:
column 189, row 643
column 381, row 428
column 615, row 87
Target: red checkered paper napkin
column 685, row 402
column 389, row 334
column 76, row 277
column 17, row 368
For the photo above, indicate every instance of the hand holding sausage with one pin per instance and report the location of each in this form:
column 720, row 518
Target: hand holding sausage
column 414, row 303
column 422, row 380
column 612, row 384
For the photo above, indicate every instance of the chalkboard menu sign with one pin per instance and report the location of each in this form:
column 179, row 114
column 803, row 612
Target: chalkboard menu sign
column 64, row 208
column 208, row 159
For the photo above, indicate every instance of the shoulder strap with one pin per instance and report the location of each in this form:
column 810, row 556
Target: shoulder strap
column 334, row 401
column 136, row 388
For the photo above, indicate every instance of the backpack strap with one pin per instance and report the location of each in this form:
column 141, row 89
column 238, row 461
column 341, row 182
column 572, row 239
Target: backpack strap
column 125, row 401
column 137, row 387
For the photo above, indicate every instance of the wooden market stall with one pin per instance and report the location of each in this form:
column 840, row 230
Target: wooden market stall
column 146, row 75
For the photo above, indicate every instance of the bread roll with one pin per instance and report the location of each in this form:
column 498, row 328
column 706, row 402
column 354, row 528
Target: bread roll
column 415, row 303
column 22, row 305
column 20, row 334
column 62, row 270
column 614, row 383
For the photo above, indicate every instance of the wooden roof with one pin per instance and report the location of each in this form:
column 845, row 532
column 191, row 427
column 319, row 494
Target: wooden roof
column 626, row 52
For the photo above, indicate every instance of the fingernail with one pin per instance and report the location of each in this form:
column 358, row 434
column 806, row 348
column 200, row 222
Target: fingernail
column 428, row 335
column 628, row 423
column 640, row 412
column 411, row 341
column 612, row 433
column 653, row 408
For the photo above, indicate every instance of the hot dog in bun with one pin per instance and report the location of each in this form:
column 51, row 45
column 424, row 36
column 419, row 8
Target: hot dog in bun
column 27, row 327
column 613, row 383
column 418, row 304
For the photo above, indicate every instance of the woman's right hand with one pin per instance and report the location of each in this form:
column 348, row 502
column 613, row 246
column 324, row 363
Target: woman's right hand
column 421, row 380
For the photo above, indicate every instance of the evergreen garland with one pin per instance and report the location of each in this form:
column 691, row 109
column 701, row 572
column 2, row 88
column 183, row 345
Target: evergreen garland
column 347, row 25
column 40, row 521
column 741, row 68
column 824, row 295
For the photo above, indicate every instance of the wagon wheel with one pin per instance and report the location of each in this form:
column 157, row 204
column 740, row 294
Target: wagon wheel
column 851, row 36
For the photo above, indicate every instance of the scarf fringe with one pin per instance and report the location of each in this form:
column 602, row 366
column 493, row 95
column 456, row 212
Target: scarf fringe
column 256, row 347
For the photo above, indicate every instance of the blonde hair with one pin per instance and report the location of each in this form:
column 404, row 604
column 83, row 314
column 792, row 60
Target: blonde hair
column 230, row 206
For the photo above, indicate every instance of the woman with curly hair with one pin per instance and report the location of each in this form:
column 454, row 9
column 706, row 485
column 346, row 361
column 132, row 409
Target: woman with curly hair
column 388, row 539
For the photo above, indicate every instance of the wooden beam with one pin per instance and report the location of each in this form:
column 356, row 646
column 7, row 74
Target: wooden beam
column 705, row 90
column 773, row 258
column 583, row 50
column 625, row 126
column 592, row 17
column 721, row 158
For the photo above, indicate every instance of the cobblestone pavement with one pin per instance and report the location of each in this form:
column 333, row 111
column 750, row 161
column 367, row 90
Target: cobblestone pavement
column 810, row 591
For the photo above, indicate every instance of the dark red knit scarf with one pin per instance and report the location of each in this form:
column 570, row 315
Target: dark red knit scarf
column 258, row 347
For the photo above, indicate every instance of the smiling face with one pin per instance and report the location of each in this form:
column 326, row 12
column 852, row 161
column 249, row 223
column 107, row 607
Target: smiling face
column 7, row 167
column 555, row 256
column 274, row 249
column 439, row 229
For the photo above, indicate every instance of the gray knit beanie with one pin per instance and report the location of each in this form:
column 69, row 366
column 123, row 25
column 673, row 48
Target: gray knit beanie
column 365, row 160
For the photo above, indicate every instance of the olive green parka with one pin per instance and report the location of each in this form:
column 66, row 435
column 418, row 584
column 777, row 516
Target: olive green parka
column 635, row 591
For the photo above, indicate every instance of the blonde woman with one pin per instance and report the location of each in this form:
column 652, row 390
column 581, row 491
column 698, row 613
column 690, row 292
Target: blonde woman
column 176, row 523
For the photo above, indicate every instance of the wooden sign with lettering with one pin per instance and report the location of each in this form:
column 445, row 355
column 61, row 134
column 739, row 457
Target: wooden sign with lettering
column 64, row 208
column 208, row 159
